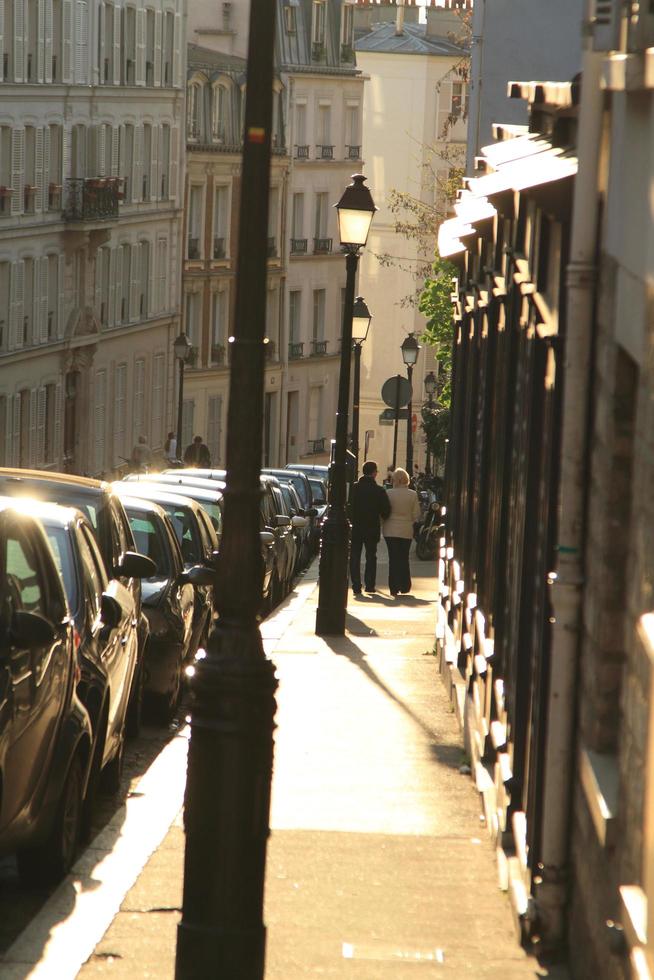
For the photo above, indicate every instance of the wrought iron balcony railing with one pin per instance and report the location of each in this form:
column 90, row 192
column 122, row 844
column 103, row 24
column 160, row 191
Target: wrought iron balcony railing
column 295, row 351
column 325, row 152
column 319, row 348
column 353, row 152
column 317, row 446
column 302, row 152
column 194, row 248
column 92, row 198
column 322, row 246
column 299, row 246
column 218, row 248
column 217, row 354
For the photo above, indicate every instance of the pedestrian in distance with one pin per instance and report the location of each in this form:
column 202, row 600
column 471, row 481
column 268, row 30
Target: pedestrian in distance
column 197, row 454
column 141, row 455
column 398, row 531
column 368, row 507
column 170, row 448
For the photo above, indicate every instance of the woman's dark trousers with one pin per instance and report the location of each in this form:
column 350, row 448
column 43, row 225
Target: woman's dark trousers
column 399, row 573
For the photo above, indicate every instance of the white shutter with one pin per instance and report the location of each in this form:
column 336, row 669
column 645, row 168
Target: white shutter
column 100, row 419
column 115, row 146
column 18, row 291
column 100, row 259
column 100, row 150
column 111, row 313
column 67, row 41
column 157, row 47
column 117, row 60
column 40, row 42
column 118, row 292
column 11, row 339
column 15, row 441
column 140, row 46
column 32, row 429
column 177, row 52
column 137, row 165
column 57, row 448
column 172, row 164
column 81, row 42
column 17, row 169
column 138, row 415
column 154, row 164
column 67, row 152
column 40, row 426
column 157, row 400
column 2, row 44
column 134, row 281
column 19, row 40
column 61, row 309
column 45, row 176
column 41, row 198
column 47, row 41
column 42, row 308
column 163, row 274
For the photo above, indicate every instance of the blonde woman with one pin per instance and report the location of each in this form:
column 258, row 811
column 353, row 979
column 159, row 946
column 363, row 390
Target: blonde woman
column 398, row 531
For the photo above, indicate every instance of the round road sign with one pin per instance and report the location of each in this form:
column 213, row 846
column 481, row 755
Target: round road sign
column 389, row 392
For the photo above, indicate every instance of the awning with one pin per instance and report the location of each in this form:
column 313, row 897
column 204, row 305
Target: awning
column 449, row 242
column 513, row 149
column 470, row 208
column 541, row 169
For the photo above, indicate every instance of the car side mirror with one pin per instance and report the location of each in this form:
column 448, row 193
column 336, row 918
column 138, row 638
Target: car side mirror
column 266, row 537
column 282, row 520
column 31, row 630
column 134, row 565
column 299, row 521
column 197, row 575
column 111, row 611
column 311, row 512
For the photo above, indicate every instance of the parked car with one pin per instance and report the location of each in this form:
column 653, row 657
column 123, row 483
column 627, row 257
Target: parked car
column 286, row 534
column 208, row 493
column 45, row 731
column 301, row 526
column 196, row 538
column 311, row 469
column 301, row 483
column 107, row 644
column 104, row 511
column 319, row 492
column 168, row 601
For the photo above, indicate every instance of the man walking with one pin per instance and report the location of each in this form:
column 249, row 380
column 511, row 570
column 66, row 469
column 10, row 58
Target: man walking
column 197, row 454
column 369, row 505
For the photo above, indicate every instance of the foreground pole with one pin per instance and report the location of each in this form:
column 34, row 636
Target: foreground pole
column 356, row 396
column 227, row 805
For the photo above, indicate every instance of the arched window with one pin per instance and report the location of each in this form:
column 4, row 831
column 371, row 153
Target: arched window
column 194, row 111
column 219, row 114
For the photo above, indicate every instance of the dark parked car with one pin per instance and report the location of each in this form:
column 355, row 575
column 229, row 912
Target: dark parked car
column 107, row 645
column 196, row 538
column 300, row 525
column 45, row 732
column 208, row 493
column 319, row 491
column 105, row 513
column 168, row 601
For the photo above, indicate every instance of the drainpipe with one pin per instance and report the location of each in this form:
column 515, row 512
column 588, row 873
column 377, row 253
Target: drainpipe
column 567, row 589
column 476, row 73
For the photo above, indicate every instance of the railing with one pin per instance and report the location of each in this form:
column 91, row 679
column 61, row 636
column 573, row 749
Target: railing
column 319, row 348
column 269, row 350
column 316, row 446
column 272, row 247
column 217, row 354
column 29, row 198
column 149, row 73
column 347, row 52
column 218, row 248
column 353, row 152
column 325, row 152
column 193, row 251
column 302, row 152
column 193, row 357
column 317, row 51
column 92, row 198
column 322, row 246
column 295, row 351
column 299, row 246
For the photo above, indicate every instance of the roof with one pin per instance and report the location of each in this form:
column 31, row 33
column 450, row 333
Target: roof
column 199, row 57
column 42, row 509
column 383, row 39
column 50, row 477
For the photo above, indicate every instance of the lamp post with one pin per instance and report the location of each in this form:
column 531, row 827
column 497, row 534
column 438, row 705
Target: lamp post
column 410, row 350
column 430, row 388
column 361, row 319
column 182, row 347
column 355, row 210
column 227, row 802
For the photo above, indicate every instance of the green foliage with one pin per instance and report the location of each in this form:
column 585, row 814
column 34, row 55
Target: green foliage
column 436, row 305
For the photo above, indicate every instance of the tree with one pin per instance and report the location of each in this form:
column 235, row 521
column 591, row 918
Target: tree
column 436, row 305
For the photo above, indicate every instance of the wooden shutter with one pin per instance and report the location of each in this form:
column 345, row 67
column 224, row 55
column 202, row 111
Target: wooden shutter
column 101, row 150
column 40, row 41
column 138, row 413
column 99, row 408
column 81, row 42
column 67, row 152
column 41, row 196
column 163, row 274
column 43, row 263
column 19, row 40
column 45, row 174
column 15, row 438
column 154, row 164
column 158, row 17
column 57, row 452
column 17, row 313
column 67, row 41
column 2, row 42
column 115, row 148
column 177, row 52
column 140, row 46
column 117, row 45
column 32, row 447
column 111, row 313
column 137, row 165
column 157, row 400
column 40, row 426
column 61, row 308
column 173, row 162
column 47, row 41
column 17, row 169
column 100, row 259
column 134, row 281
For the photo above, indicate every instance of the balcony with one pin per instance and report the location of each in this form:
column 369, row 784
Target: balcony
column 217, row 354
column 347, row 52
column 299, row 246
column 302, row 152
column 193, row 248
column 272, row 247
column 317, row 51
column 322, row 246
column 193, row 357
column 318, row 348
column 324, row 152
column 316, row 446
column 295, row 351
column 269, row 350
column 353, row 152
column 218, row 247
column 92, row 198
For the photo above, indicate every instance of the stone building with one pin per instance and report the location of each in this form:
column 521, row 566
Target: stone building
column 545, row 631
column 90, row 165
column 318, row 103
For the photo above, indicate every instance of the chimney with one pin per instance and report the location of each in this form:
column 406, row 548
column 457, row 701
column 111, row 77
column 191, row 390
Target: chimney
column 399, row 18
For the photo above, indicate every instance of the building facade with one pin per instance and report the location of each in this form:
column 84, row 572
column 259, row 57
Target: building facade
column 91, row 105
column 318, row 103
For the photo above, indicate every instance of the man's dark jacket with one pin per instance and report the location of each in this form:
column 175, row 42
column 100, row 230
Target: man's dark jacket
column 368, row 503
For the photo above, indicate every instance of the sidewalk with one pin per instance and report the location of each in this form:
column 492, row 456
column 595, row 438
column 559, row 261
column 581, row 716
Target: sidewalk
column 378, row 864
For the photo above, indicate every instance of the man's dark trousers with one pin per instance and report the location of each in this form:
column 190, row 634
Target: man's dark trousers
column 369, row 541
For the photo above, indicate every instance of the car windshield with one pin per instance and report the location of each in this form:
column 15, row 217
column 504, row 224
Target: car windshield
column 149, row 540
column 63, row 555
column 318, row 491
column 212, row 509
column 186, row 530
column 301, row 487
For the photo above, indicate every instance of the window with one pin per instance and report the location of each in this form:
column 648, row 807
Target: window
column 158, row 367
column 192, row 326
column 318, row 11
column 164, row 161
column 3, row 431
column 127, row 161
column 300, row 125
column 120, row 414
column 298, row 215
column 139, row 398
column 146, row 168
column 194, row 246
column 218, row 327
column 150, row 18
column 47, row 409
column 459, row 106
column 220, row 207
column 143, row 278
column 347, row 29
column 99, row 409
column 188, row 413
column 271, row 314
column 22, row 574
column 162, row 274
column 352, row 138
column 290, row 21
column 28, row 326
column 318, row 324
column 4, row 304
column 320, row 215
column 324, row 125
column 214, row 426
column 315, row 413
column 273, row 219
column 122, row 283
column 219, row 114
column 53, row 296
column 194, row 111
column 22, row 427
column 294, row 316
column 129, row 45
column 102, row 276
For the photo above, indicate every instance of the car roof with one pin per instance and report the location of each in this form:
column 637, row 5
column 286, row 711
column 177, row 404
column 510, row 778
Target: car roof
column 46, row 476
column 207, row 474
column 158, row 490
column 144, row 504
column 42, row 510
column 212, row 487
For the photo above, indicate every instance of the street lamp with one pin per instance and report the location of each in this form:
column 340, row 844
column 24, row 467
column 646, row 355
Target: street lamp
column 182, row 347
column 361, row 319
column 410, row 350
column 355, row 211
column 430, row 388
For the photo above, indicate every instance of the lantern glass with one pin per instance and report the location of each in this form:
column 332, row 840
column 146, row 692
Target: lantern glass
column 410, row 350
column 356, row 210
column 361, row 319
column 182, row 346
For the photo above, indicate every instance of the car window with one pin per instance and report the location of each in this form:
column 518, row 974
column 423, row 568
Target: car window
column 149, row 540
column 301, row 488
column 97, row 556
column 22, row 572
column 215, row 515
column 207, row 530
column 92, row 582
column 61, row 547
column 318, row 491
column 124, row 532
column 186, row 532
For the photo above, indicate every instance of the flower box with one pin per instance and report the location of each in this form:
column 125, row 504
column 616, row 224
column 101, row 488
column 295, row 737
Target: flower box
column 6, row 191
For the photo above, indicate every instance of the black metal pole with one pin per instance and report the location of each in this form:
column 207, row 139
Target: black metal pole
column 180, row 409
column 398, row 378
column 335, row 539
column 356, row 392
column 430, row 402
column 409, row 423
column 227, row 805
